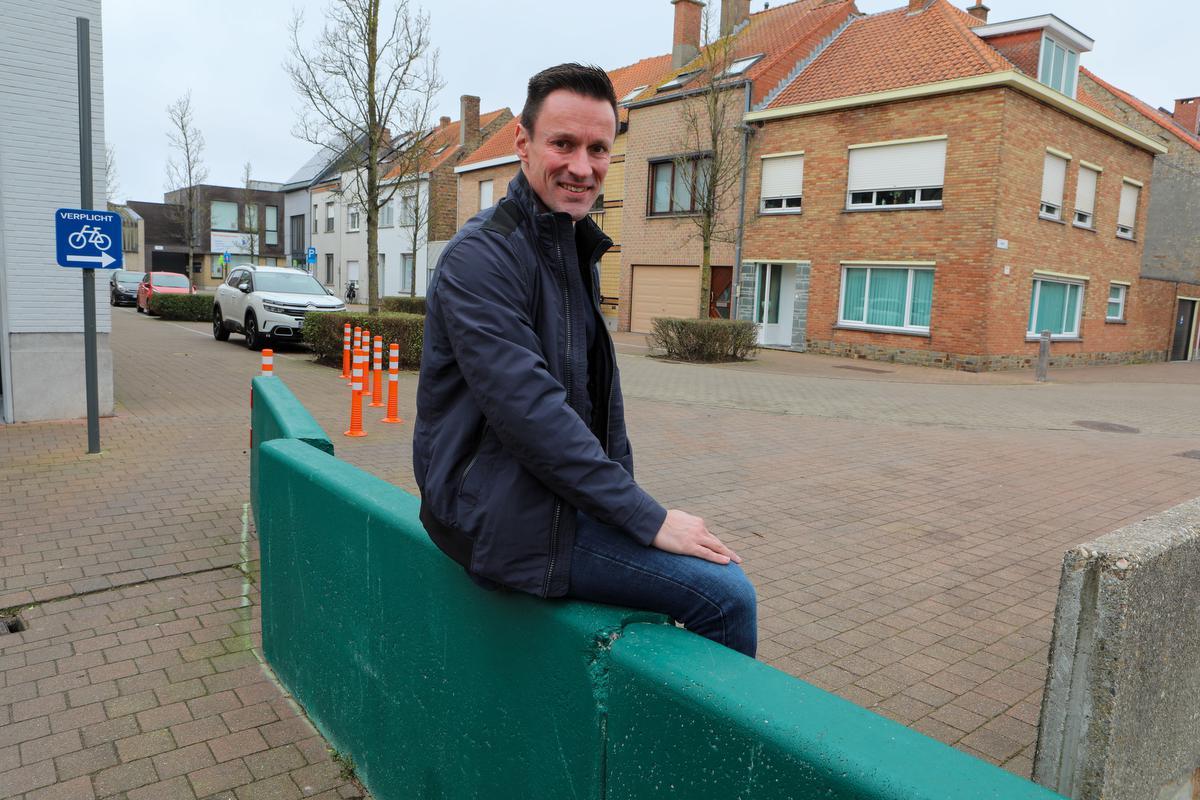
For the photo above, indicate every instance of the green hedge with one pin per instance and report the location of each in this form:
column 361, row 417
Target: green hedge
column 323, row 332
column 404, row 305
column 704, row 339
column 185, row 307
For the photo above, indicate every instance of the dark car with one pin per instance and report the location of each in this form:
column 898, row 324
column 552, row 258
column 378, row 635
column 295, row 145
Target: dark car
column 123, row 286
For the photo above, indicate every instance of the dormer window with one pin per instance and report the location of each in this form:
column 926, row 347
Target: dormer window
column 739, row 66
column 629, row 97
column 1058, row 66
column 679, row 80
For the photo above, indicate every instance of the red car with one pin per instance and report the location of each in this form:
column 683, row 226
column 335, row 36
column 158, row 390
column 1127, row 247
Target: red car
column 161, row 283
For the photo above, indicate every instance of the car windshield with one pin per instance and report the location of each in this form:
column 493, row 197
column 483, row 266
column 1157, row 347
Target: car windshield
column 169, row 279
column 294, row 283
column 124, row 276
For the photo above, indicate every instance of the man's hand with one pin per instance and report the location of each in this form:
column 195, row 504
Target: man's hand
column 688, row 535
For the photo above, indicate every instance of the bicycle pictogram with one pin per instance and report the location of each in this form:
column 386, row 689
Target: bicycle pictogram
column 89, row 234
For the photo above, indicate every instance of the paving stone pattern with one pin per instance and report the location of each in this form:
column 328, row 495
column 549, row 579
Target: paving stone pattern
column 904, row 530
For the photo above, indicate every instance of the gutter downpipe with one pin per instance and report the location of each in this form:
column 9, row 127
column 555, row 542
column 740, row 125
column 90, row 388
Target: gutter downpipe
column 741, row 227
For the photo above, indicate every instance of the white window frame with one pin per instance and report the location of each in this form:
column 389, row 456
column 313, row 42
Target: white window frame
column 1035, row 297
column 783, row 199
column 491, row 187
column 907, row 327
column 739, row 66
column 679, row 80
column 1047, row 210
column 1127, row 231
column 1082, row 218
column 875, row 195
column 1120, row 300
column 632, row 94
column 330, row 216
column 353, row 219
column 1069, row 71
column 387, row 215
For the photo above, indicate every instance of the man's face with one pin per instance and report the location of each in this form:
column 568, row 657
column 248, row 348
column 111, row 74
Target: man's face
column 565, row 157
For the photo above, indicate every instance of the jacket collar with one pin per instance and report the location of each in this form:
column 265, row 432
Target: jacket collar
column 587, row 233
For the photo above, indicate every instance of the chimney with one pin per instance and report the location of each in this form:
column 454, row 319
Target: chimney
column 733, row 13
column 1187, row 113
column 917, row 6
column 979, row 11
column 468, row 131
column 686, row 45
column 445, row 123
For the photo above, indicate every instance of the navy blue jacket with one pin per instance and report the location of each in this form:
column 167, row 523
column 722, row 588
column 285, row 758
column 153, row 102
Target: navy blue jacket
column 501, row 450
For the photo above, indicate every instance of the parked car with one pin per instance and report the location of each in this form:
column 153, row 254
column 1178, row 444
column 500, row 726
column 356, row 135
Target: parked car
column 123, row 286
column 153, row 283
column 268, row 303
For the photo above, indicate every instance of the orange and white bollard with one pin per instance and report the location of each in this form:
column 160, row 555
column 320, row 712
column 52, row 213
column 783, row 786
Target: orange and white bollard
column 268, row 362
column 377, row 375
column 346, row 337
column 393, row 403
column 360, row 364
column 355, row 344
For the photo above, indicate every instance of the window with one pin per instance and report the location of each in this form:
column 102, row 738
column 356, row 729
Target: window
column 297, row 233
column 679, row 80
column 315, row 218
column 782, row 184
column 251, row 216
column 1057, row 66
column 352, row 215
column 1055, row 306
column 329, row 268
column 676, row 185
column 903, row 174
column 1127, row 213
column 235, row 277
column 1054, row 175
column 740, row 66
column 1116, row 302
column 224, row 216
column 632, row 94
column 214, row 266
column 1085, row 197
column 406, row 272
column 407, row 209
column 329, row 217
column 888, row 298
column 272, row 225
column 387, row 215
column 485, row 194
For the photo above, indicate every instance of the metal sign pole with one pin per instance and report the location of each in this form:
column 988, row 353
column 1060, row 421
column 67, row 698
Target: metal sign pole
column 83, row 41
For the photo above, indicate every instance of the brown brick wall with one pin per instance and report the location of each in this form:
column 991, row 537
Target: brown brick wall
column 1022, row 49
column 468, row 188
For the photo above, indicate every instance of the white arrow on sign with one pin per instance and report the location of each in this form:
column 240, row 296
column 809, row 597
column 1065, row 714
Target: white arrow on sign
column 104, row 259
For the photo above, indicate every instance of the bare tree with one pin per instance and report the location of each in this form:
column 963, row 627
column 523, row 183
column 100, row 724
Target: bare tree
column 358, row 84
column 415, row 216
column 249, row 223
column 711, row 146
column 112, row 185
column 185, row 170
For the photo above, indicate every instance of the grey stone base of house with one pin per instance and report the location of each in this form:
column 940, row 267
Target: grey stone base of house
column 977, row 363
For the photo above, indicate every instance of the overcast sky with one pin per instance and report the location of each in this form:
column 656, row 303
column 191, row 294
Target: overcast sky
column 229, row 54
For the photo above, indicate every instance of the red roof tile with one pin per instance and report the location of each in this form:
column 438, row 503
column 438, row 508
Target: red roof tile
column 1154, row 115
column 498, row 145
column 894, row 50
column 443, row 142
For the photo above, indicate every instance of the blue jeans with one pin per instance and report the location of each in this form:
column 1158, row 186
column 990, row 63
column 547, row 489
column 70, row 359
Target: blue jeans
column 714, row 600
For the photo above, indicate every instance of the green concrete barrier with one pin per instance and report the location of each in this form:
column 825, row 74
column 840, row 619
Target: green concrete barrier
column 439, row 689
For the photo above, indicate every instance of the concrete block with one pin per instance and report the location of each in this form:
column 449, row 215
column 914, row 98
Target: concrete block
column 48, row 376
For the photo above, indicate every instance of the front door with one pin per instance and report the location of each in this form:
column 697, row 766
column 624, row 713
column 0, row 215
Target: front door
column 773, row 299
column 1184, row 332
column 721, row 290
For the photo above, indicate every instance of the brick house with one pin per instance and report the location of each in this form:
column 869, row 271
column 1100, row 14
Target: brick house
column 660, row 273
column 483, row 176
column 1172, row 243
column 927, row 188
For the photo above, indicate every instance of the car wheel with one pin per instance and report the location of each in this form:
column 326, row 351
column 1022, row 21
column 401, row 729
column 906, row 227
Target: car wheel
column 112, row 298
column 254, row 339
column 219, row 332
column 138, row 305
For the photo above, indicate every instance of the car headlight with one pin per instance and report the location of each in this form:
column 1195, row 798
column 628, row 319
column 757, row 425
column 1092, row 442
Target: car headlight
column 274, row 309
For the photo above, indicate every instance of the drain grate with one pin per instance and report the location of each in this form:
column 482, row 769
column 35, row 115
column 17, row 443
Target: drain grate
column 11, row 625
column 1104, row 427
column 1190, row 454
column 866, row 369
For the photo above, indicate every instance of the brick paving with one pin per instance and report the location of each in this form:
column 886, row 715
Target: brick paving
column 904, row 529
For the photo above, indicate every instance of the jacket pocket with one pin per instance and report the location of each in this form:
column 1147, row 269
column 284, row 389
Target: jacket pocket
column 469, row 481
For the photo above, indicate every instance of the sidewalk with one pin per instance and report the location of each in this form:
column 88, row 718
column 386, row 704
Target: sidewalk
column 905, row 537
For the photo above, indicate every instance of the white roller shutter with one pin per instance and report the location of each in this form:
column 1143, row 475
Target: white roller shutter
column 1053, row 177
column 783, row 177
column 1085, row 192
column 1128, row 210
column 898, row 166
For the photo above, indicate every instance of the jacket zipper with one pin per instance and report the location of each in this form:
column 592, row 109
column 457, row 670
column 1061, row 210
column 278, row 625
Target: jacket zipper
column 567, row 371
column 462, row 481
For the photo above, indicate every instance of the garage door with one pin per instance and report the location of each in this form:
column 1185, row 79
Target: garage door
column 663, row 292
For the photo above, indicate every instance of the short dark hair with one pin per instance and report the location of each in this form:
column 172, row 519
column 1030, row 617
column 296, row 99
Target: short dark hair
column 589, row 81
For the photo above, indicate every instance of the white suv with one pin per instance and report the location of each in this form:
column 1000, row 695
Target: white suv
column 265, row 303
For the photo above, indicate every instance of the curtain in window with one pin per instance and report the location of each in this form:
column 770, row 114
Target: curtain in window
column 855, row 294
column 681, row 192
column 1057, row 307
column 922, row 297
column 885, row 306
column 662, row 188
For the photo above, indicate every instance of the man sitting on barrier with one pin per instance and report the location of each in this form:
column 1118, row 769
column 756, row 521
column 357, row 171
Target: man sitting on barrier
column 519, row 447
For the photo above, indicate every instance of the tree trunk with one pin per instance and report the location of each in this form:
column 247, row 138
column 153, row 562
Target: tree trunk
column 705, row 278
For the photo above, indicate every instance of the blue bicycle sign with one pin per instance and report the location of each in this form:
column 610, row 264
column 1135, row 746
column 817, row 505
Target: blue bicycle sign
column 88, row 239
